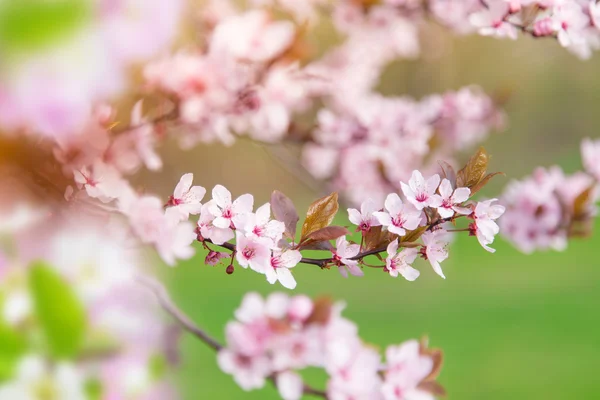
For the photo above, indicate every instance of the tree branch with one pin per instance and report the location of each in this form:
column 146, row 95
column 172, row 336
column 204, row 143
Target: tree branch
column 188, row 325
column 182, row 319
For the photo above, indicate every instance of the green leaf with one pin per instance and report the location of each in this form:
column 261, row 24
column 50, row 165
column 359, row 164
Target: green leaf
column 157, row 366
column 59, row 311
column 12, row 347
column 31, row 24
column 93, row 389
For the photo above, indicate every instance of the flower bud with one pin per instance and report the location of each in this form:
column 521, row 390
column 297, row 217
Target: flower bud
column 229, row 269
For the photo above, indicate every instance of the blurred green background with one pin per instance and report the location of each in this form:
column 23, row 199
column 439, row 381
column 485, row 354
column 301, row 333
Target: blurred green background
column 512, row 326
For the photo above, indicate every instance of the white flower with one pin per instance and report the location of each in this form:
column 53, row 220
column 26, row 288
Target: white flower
column 281, row 262
column 364, row 218
column 450, row 199
column 421, row 192
column 400, row 262
column 186, row 198
column 399, row 216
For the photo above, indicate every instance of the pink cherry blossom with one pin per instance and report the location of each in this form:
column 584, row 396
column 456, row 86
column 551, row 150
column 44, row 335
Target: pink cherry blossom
column 435, row 250
column 290, row 385
column 101, row 181
column 364, row 218
column 353, row 368
column 208, row 231
column 534, row 212
column 399, row 263
column 451, row 198
column 421, row 192
column 214, row 257
column 491, row 21
column 280, row 265
column 405, row 368
column 343, row 254
column 249, row 372
column 252, row 36
column 260, row 225
column 485, row 226
column 186, row 198
column 569, row 20
column 176, row 238
column 253, row 252
column 590, row 152
column 225, row 211
column 398, row 216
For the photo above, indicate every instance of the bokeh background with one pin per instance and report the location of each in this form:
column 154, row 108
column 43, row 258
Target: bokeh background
column 512, row 326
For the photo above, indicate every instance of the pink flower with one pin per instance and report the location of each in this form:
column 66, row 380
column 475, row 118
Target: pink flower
column 421, row 193
column 260, row 225
column 253, row 252
column 353, row 368
column 364, row 218
column 252, row 36
column 186, row 198
column 164, row 229
column 405, row 369
column 400, row 262
column 213, row 257
column 208, row 230
column 590, row 152
column 144, row 138
column 398, row 217
column 175, row 238
column 102, row 181
column 569, row 20
column 300, row 308
column 225, row 211
column 491, row 20
column 281, row 262
column 290, row 385
column 248, row 372
column 485, row 228
column 435, row 249
column 450, row 199
column 342, row 255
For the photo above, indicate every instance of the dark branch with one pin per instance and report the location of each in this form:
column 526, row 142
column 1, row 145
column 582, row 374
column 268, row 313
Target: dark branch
column 182, row 319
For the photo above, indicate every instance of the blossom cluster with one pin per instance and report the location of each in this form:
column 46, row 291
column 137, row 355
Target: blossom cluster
column 357, row 141
column 247, row 79
column 78, row 325
column 544, row 210
column 276, row 337
column 262, row 242
column 51, row 89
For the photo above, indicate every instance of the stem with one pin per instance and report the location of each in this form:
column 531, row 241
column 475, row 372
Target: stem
column 188, row 325
column 182, row 319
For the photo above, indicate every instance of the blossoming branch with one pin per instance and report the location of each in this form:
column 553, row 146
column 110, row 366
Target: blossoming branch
column 275, row 338
column 270, row 246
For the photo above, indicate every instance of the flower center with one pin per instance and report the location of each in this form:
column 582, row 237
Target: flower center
column 421, row 197
column 248, row 252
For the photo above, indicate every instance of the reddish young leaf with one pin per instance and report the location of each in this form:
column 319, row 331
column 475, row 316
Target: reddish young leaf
column 376, row 238
column 284, row 211
column 414, row 235
column 484, row 182
column 472, row 173
column 321, row 311
column 448, row 172
column 327, row 233
column 320, row 214
column 432, row 387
